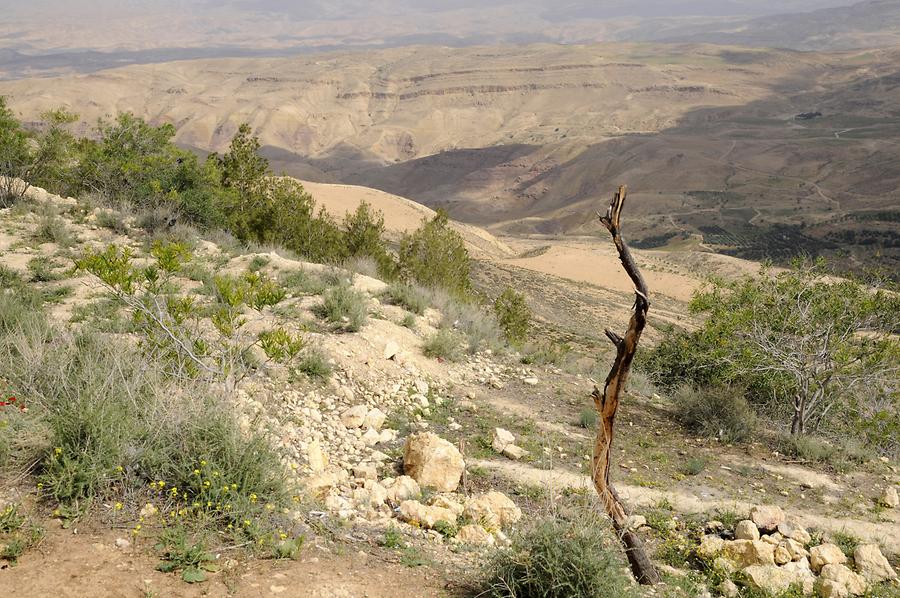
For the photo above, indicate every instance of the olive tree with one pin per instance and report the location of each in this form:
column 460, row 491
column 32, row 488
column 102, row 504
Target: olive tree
column 815, row 344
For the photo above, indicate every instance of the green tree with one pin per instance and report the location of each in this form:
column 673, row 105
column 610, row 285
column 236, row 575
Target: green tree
column 513, row 315
column 435, row 256
column 364, row 236
column 138, row 163
column 810, row 346
column 243, row 168
column 32, row 157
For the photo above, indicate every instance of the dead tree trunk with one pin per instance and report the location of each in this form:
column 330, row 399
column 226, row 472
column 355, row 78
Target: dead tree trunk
column 607, row 400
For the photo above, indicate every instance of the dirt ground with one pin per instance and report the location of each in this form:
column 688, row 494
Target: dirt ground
column 87, row 564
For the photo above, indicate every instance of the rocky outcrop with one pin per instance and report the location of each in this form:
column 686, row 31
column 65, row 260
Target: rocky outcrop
column 432, row 462
column 767, row 518
column 825, row 554
column 872, row 564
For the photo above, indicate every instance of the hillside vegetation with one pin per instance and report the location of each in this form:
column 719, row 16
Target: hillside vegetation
column 212, row 377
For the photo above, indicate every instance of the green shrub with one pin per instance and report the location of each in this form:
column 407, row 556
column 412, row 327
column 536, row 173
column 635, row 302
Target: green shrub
column 412, row 297
column 314, row 363
column 715, row 412
column 117, row 423
column 435, row 256
column 279, row 345
column 258, row 262
column 263, row 291
column 693, row 466
column 303, row 282
column 408, row 321
column 513, row 315
column 545, row 353
column 39, row 155
column 52, row 229
column 364, row 238
column 42, row 269
column 444, row 344
column 113, row 220
column 808, row 448
column 588, row 418
column 559, row 559
column 156, row 220
column 344, row 307
column 478, row 325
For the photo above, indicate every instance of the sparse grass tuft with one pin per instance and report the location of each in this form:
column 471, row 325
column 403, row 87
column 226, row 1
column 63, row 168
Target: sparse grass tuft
column 52, row 229
column 115, row 423
column 314, row 363
column 693, row 466
column 362, row 264
column 43, row 269
column 408, row 321
column 344, row 307
column 412, row 297
column 444, row 344
column 113, row 220
column 303, row 282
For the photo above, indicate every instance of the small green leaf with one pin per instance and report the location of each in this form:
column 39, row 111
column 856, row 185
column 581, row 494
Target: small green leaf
column 193, row 575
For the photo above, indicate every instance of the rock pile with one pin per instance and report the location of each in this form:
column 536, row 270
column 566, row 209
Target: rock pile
column 773, row 553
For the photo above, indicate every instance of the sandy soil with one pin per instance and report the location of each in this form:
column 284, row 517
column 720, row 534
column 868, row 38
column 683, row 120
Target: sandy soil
column 88, row 564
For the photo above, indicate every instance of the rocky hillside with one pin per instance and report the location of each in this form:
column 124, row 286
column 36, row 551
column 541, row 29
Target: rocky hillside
column 410, row 464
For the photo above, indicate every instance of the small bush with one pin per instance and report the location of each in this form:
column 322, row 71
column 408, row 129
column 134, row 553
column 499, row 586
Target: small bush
column 263, row 291
column 545, row 353
column 116, row 423
column 42, row 269
column 408, row 321
column 718, row 412
column 314, row 363
column 156, row 220
column 345, row 307
column 362, row 264
column 559, row 559
column 693, row 466
column 443, row 345
column 588, row 418
column 808, row 448
column 513, row 315
column 112, row 220
column 435, row 256
column 303, row 282
column 280, row 345
column 479, row 326
column 412, row 297
column 52, row 229
column 258, row 262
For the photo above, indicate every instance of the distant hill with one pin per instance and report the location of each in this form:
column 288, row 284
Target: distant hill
column 758, row 153
column 872, row 23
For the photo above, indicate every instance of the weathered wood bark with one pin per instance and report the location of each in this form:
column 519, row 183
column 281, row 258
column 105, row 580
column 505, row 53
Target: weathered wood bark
column 607, row 400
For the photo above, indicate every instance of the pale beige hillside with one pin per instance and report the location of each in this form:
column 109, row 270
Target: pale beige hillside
column 405, row 103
